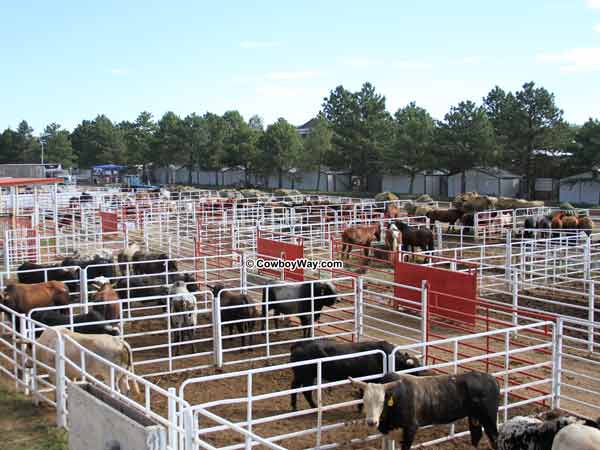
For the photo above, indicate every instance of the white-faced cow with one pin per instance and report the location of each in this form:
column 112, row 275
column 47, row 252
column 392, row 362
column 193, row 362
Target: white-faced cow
column 413, row 402
column 296, row 300
column 337, row 370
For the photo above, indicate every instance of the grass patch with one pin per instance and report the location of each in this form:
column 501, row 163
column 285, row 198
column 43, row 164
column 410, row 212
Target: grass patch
column 25, row 426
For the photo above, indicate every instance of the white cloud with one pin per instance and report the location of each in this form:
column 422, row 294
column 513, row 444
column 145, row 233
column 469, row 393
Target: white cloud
column 259, row 44
column 594, row 4
column 293, row 75
column 118, row 71
column 574, row 60
column 597, row 28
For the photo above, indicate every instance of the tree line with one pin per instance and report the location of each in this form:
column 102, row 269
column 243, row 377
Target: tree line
column 522, row 131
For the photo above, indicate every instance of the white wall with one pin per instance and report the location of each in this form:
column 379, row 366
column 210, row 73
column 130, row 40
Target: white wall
column 580, row 192
column 484, row 184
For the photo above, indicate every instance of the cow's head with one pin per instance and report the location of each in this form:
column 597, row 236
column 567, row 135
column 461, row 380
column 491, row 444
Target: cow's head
column 326, row 289
column 373, row 400
column 404, row 361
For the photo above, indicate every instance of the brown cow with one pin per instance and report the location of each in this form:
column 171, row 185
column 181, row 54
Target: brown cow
column 556, row 223
column 361, row 235
column 24, row 297
column 586, row 224
column 570, row 222
column 106, row 293
column 449, row 216
column 391, row 211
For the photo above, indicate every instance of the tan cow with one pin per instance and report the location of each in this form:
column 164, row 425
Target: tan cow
column 24, row 297
column 111, row 348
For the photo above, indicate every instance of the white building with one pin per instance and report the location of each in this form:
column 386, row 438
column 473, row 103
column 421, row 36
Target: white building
column 486, row 181
column 581, row 188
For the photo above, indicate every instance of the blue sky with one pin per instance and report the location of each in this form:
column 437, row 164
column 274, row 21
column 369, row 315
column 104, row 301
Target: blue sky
column 64, row 61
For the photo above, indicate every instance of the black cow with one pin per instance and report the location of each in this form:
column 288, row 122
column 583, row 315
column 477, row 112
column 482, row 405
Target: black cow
column 239, row 309
column 153, row 286
column 360, row 366
column 56, row 318
column 302, row 308
column 56, row 273
column 107, row 269
column 412, row 402
column 542, row 223
column 155, row 263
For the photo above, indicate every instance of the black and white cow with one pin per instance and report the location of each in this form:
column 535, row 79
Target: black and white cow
column 533, row 433
column 324, row 293
column 337, row 370
column 412, row 402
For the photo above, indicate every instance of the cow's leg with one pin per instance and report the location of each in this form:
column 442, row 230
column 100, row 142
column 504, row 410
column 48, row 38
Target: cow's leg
column 491, row 430
column 408, row 436
column 366, row 253
column 296, row 383
column 240, row 329
column 475, row 430
column 309, row 398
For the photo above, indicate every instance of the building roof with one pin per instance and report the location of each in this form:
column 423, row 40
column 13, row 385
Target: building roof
column 496, row 172
column 305, row 128
column 8, row 182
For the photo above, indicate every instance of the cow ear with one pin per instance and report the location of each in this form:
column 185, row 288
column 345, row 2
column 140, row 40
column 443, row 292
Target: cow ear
column 357, row 383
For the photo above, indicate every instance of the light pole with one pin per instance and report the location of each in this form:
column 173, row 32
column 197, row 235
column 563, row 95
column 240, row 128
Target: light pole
column 42, row 142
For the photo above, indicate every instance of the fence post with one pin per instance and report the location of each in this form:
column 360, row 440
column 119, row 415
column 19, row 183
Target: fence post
column 83, row 288
column 557, row 339
column 515, row 298
column 587, row 263
column 172, row 406
column 438, row 233
column 243, row 272
column 508, row 256
column 7, row 252
column 358, row 309
column 424, row 318
column 217, row 344
column 59, row 366
column 591, row 308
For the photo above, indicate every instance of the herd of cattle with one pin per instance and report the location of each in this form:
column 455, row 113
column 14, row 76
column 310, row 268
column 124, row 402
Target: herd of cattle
column 390, row 402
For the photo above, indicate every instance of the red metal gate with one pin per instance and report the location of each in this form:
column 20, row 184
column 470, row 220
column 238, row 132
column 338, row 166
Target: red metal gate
column 109, row 221
column 282, row 250
column 451, row 294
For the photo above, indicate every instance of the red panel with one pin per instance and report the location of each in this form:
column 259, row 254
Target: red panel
column 450, row 294
column 109, row 221
column 282, row 250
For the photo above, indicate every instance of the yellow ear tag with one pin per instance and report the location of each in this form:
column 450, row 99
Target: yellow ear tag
column 391, row 401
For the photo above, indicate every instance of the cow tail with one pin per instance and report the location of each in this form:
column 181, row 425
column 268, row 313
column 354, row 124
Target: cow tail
column 136, row 388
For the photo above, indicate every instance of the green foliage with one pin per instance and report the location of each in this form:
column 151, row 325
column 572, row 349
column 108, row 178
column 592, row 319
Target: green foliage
column 466, row 139
column 99, row 142
column 586, row 146
column 58, row 148
column 362, row 128
column 412, row 150
column 280, row 148
column 526, row 122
